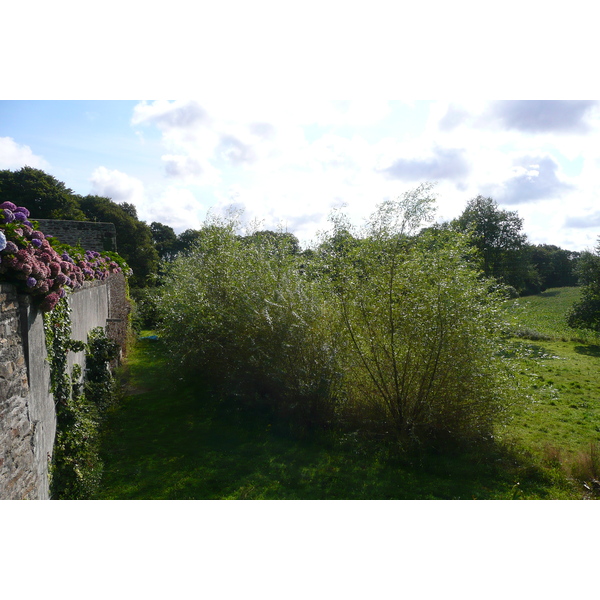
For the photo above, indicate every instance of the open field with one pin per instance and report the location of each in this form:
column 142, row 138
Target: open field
column 543, row 316
column 559, row 417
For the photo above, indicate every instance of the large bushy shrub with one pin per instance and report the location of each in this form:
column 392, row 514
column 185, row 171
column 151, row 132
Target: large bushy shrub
column 239, row 313
column 378, row 328
column 421, row 326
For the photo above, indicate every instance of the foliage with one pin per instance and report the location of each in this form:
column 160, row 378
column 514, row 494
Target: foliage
column 420, row 329
column 241, row 311
column 187, row 240
column 46, row 197
column 134, row 237
column 32, row 262
column 393, row 332
column 164, row 239
column 498, row 236
column 76, row 468
column 586, row 313
column 555, row 266
column 281, row 239
column 145, row 310
column 100, row 385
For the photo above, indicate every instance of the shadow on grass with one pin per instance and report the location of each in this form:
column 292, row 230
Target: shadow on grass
column 550, row 294
column 177, row 442
column 588, row 350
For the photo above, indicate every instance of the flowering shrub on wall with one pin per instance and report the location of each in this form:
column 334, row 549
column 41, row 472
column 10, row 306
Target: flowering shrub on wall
column 28, row 259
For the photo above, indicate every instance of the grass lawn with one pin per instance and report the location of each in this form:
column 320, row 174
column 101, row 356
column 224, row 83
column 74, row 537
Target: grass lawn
column 166, row 440
column 559, row 417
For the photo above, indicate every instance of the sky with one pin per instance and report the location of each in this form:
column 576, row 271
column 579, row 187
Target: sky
column 288, row 165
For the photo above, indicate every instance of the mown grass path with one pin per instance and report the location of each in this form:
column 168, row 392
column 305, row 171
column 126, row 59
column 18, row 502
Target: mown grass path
column 165, row 440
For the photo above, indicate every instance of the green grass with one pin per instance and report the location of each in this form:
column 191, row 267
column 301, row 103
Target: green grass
column 166, row 440
column 544, row 316
column 559, row 417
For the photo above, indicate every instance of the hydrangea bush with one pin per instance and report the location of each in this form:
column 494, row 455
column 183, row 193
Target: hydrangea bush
column 28, row 260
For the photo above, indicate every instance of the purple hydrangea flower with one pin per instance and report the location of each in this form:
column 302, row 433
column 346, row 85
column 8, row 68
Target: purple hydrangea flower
column 23, row 210
column 19, row 216
column 9, row 216
column 36, row 243
column 49, row 302
column 11, row 248
column 31, row 282
column 12, row 207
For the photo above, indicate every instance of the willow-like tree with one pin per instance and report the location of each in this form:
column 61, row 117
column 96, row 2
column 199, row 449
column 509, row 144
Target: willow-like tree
column 420, row 328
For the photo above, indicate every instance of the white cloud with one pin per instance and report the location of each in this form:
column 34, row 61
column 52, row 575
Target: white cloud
column 541, row 116
column 173, row 205
column 440, row 163
column 166, row 115
column 288, row 162
column 177, row 207
column 14, row 156
column 118, row 186
column 533, row 178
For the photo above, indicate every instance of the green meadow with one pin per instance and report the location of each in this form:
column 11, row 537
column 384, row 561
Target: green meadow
column 559, row 417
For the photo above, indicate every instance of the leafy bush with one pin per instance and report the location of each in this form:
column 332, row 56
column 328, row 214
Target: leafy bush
column 76, row 468
column 242, row 314
column 41, row 267
column 379, row 329
column 420, row 327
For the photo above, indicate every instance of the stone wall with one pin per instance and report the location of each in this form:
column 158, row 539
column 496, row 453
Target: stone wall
column 20, row 476
column 27, row 414
column 90, row 235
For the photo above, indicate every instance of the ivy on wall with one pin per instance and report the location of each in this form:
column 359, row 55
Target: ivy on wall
column 80, row 399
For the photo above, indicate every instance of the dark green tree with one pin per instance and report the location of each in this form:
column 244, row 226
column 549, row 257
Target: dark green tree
column 187, row 239
column 279, row 239
column 164, row 239
column 555, row 266
column 586, row 313
column 42, row 194
column 498, row 236
column 134, row 237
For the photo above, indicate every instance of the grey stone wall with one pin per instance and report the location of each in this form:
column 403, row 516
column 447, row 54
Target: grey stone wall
column 88, row 234
column 19, row 475
column 27, row 413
